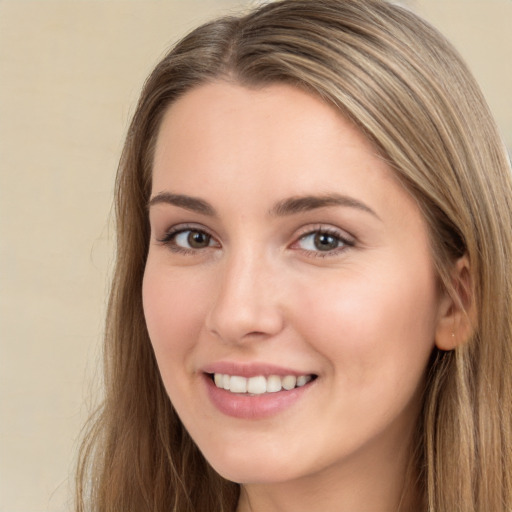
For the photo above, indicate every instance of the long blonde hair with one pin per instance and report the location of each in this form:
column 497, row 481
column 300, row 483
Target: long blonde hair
column 408, row 90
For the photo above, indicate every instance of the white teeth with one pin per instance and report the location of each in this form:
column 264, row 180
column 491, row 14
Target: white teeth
column 260, row 384
column 257, row 385
column 238, row 384
column 302, row 380
column 274, row 384
column 289, row 382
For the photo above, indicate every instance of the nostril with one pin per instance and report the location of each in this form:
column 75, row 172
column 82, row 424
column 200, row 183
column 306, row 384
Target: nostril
column 255, row 333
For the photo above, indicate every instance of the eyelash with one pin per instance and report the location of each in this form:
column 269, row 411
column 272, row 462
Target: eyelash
column 342, row 239
column 170, row 236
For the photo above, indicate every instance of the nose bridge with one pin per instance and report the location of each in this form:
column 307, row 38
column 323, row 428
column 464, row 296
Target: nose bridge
column 246, row 303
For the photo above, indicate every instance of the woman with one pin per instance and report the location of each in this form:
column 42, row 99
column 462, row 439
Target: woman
column 311, row 304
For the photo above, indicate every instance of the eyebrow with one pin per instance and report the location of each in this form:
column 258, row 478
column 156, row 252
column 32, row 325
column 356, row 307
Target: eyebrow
column 289, row 206
column 183, row 201
column 300, row 204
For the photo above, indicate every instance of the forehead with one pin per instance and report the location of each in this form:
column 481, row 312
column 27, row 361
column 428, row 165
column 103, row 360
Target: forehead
column 277, row 130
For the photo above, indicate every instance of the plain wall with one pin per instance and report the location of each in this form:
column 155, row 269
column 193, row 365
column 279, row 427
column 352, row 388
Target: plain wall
column 70, row 73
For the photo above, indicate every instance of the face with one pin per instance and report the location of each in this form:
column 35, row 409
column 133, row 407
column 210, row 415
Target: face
column 289, row 292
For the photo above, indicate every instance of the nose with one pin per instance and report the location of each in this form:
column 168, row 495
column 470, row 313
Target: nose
column 247, row 304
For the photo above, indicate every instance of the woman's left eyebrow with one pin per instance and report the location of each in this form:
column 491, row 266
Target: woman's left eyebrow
column 299, row 204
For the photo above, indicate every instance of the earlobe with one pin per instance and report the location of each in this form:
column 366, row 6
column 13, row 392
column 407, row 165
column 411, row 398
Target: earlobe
column 457, row 315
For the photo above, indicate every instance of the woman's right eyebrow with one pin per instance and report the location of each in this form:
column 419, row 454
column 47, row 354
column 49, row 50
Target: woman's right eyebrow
column 183, row 201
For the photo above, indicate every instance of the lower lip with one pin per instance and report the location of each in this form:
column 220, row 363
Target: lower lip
column 253, row 407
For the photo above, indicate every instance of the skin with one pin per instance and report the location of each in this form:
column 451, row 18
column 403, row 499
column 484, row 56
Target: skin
column 363, row 317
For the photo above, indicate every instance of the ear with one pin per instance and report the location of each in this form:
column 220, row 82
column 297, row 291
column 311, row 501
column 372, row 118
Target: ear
column 457, row 312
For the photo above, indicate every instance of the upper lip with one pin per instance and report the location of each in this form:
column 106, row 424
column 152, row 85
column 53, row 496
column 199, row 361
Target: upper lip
column 250, row 369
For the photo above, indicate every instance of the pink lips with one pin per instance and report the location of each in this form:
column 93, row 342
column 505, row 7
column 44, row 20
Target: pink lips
column 252, row 407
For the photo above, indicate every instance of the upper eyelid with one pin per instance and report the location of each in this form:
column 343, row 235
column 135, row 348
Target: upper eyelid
column 180, row 228
column 324, row 228
column 187, row 226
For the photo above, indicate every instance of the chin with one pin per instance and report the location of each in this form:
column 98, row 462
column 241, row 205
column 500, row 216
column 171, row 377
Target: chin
column 243, row 468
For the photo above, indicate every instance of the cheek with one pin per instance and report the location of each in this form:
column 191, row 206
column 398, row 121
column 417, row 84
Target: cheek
column 173, row 309
column 370, row 327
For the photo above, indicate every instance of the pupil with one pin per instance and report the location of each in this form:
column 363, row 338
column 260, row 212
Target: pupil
column 198, row 240
column 324, row 242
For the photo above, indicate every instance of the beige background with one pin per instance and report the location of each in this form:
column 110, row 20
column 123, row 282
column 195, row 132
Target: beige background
column 70, row 72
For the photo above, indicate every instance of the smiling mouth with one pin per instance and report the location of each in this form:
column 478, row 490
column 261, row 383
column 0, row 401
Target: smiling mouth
column 260, row 384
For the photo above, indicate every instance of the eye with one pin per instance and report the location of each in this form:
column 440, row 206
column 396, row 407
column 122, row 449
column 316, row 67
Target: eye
column 188, row 240
column 323, row 241
column 192, row 239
